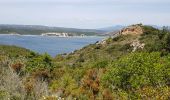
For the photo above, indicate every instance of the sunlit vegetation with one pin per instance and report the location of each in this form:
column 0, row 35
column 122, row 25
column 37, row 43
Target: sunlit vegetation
column 107, row 71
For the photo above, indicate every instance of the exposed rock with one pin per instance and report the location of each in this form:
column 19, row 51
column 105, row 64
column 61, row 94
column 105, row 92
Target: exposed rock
column 133, row 30
column 137, row 45
column 103, row 42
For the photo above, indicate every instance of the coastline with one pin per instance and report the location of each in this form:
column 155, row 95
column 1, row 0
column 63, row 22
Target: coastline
column 54, row 36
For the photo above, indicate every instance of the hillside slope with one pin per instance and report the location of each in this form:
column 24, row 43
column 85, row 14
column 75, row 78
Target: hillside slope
column 134, row 64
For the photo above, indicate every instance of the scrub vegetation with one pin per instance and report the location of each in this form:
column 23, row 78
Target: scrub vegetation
column 108, row 70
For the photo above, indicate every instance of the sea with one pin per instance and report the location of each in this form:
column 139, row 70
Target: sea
column 49, row 44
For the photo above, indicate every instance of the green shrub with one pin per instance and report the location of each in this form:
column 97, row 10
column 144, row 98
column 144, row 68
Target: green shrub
column 39, row 62
column 101, row 64
column 150, row 30
column 136, row 70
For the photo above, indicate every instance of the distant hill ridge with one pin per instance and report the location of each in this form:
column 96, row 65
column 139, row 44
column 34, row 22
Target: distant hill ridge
column 39, row 29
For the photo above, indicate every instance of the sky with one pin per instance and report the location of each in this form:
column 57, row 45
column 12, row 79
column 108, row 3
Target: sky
column 84, row 13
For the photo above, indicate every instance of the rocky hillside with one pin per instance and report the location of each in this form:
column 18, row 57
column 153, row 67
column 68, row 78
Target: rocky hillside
column 133, row 30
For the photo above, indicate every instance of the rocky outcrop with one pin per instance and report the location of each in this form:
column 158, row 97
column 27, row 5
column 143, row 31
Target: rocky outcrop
column 133, row 30
column 102, row 42
column 137, row 45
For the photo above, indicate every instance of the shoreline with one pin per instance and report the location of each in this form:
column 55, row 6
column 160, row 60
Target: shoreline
column 53, row 36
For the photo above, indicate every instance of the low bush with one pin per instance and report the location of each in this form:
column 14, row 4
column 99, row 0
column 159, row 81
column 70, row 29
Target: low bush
column 137, row 70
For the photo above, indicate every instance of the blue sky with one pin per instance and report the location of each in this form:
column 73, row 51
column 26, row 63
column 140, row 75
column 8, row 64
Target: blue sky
column 84, row 13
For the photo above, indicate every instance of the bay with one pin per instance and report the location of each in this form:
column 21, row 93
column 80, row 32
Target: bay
column 52, row 45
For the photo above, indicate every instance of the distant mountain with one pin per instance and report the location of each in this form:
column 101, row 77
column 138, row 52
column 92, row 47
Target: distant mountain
column 159, row 27
column 109, row 31
column 38, row 29
column 119, row 27
column 112, row 28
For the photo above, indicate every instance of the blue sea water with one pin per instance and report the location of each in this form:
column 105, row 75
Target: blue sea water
column 51, row 45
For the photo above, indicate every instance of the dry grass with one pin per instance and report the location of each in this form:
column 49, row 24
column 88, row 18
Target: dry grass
column 12, row 86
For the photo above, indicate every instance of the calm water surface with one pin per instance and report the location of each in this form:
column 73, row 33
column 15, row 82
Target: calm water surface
column 51, row 45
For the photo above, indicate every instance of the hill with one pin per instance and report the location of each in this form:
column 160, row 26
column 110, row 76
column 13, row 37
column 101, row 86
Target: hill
column 112, row 28
column 37, row 30
column 133, row 64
